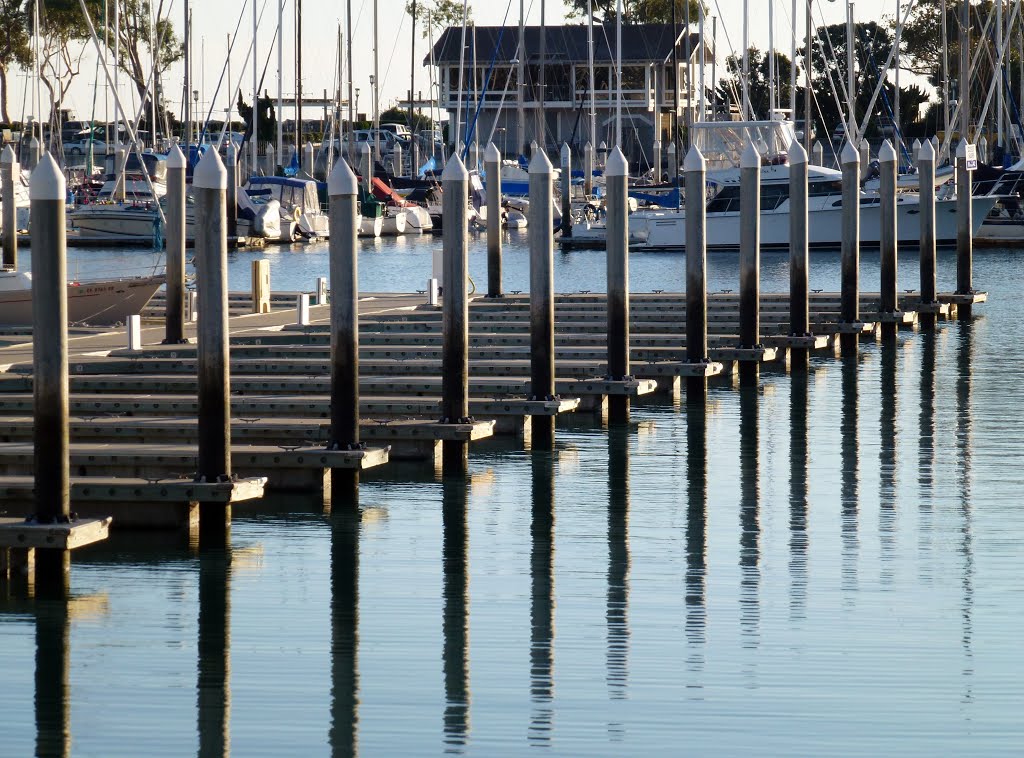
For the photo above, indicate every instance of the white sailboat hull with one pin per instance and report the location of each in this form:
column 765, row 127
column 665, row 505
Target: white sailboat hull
column 100, row 303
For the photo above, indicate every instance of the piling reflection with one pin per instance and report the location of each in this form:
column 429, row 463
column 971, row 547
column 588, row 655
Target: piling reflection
column 926, row 440
column 53, row 691
column 750, row 523
column 798, row 490
column 214, row 683
column 888, row 408
column 964, row 476
column 542, row 592
column 344, row 731
column 617, row 607
column 696, row 532
column 849, row 444
column 455, row 624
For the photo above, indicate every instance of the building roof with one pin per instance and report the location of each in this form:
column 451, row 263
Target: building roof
column 641, row 43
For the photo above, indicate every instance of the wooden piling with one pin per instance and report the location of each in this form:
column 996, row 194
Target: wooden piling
column 865, row 158
column 455, row 357
column 850, row 253
column 694, row 169
column 819, row 154
column 231, row 205
column 307, row 159
column 964, row 230
column 542, row 297
column 414, row 158
column 887, row 238
column 9, row 222
column 47, row 192
column 799, row 305
column 566, row 187
column 656, row 161
column 33, row 154
column 120, row 160
column 396, row 160
column 209, row 183
column 174, row 309
column 366, row 166
column 616, row 177
column 673, row 163
column 492, row 166
column 343, row 191
column 926, row 191
column 750, row 259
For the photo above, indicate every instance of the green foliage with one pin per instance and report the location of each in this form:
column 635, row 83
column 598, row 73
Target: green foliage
column 637, row 11
column 401, row 116
column 442, row 14
column 760, row 89
column 267, row 126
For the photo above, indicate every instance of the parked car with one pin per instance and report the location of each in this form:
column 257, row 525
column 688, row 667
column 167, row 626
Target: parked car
column 81, row 147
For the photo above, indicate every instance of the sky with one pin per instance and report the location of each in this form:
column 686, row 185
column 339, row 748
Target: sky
column 214, row 21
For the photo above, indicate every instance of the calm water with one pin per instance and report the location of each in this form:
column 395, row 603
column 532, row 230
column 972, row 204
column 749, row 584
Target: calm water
column 827, row 566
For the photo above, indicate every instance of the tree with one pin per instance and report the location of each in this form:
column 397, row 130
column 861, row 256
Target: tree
column 760, row 86
column 14, row 46
column 64, row 32
column 872, row 45
column 637, row 11
column 267, row 125
column 439, row 15
column 138, row 38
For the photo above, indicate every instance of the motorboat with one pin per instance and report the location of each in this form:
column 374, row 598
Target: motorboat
column 722, row 143
column 95, row 303
column 300, row 212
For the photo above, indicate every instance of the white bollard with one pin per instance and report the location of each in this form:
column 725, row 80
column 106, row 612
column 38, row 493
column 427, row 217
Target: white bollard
column 302, row 309
column 321, row 290
column 135, row 333
column 433, row 291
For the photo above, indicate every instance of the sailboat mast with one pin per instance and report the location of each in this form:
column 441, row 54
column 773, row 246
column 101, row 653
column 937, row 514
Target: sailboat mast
column 851, row 129
column 999, row 73
column 255, row 92
column 618, row 70
column 156, row 78
column 117, row 67
column 187, row 96
column 298, row 75
column 746, row 60
column 772, row 103
column 280, row 80
column 675, row 87
column 542, row 132
column 590, row 70
column 808, row 57
column 792, row 65
column 376, row 88
column 945, row 74
column 965, row 71
column 351, row 102
column 412, row 75
column 898, row 132
column 702, row 97
column 521, row 77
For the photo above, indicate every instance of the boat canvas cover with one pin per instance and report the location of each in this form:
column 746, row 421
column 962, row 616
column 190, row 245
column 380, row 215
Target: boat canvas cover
column 291, row 193
column 723, row 142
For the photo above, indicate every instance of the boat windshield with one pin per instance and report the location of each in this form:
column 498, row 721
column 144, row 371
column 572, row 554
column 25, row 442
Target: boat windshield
column 723, row 142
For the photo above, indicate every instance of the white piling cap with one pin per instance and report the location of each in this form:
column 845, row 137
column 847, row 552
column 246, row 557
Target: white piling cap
column 694, row 160
column 491, row 153
column 47, row 181
column 342, row 180
column 750, row 158
column 886, row 153
column 565, row 153
column 603, row 145
column 175, row 158
column 797, row 154
column 309, row 147
column 455, row 170
column 588, row 146
column 231, row 151
column 961, row 149
column 656, row 144
column 849, row 154
column 7, row 156
column 615, row 166
column 364, row 148
column 916, row 144
column 210, row 172
column 34, row 142
column 927, row 151
column 540, row 164
column 672, row 146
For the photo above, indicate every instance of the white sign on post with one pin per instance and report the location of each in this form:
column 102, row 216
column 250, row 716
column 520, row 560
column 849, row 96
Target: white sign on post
column 972, row 157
